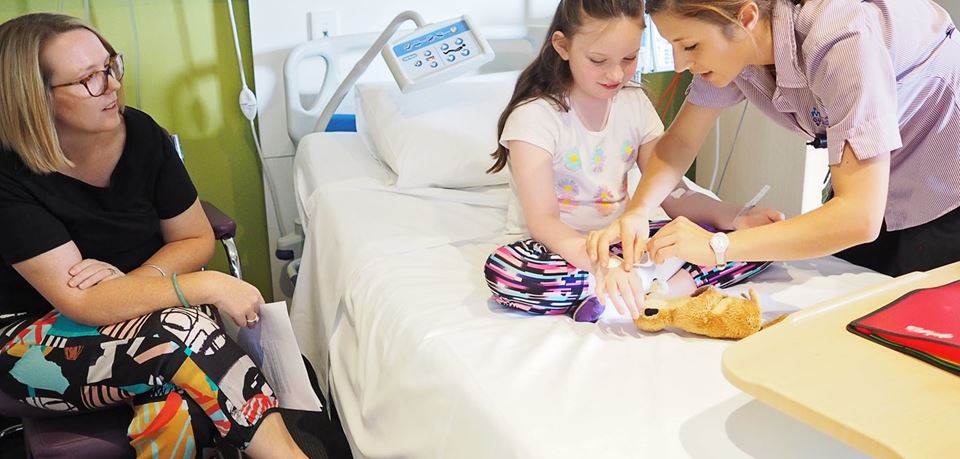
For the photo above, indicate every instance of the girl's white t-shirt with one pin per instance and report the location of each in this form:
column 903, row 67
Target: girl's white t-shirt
column 589, row 167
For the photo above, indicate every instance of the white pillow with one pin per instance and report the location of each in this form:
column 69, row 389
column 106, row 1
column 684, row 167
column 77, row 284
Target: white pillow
column 440, row 136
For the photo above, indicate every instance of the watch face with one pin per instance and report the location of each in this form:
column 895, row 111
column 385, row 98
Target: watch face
column 719, row 242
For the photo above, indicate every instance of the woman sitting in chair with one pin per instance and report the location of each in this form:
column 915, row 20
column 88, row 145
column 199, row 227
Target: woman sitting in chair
column 98, row 218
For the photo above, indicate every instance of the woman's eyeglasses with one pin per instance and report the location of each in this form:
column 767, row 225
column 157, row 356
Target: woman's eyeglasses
column 96, row 82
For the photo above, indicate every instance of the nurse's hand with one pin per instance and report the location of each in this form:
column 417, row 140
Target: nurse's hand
column 683, row 239
column 624, row 289
column 757, row 216
column 632, row 230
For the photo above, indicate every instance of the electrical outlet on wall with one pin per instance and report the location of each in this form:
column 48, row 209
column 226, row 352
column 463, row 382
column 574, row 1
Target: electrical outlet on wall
column 322, row 24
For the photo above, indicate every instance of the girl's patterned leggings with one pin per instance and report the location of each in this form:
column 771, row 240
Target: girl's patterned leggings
column 189, row 385
column 527, row 276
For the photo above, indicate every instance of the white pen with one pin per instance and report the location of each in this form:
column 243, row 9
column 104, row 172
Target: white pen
column 752, row 202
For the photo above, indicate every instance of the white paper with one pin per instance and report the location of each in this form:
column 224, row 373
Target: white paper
column 273, row 348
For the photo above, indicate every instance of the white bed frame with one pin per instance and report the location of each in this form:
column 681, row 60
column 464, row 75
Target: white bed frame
column 735, row 426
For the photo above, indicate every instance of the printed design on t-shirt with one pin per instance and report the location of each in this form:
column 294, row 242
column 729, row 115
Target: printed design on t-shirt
column 598, row 158
column 567, row 192
column 605, row 200
column 572, row 159
column 629, row 153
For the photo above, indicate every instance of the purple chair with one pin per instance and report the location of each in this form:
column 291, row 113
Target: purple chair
column 224, row 229
column 49, row 434
column 98, row 434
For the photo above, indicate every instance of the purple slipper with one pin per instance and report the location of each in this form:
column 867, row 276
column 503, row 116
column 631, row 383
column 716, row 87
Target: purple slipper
column 587, row 311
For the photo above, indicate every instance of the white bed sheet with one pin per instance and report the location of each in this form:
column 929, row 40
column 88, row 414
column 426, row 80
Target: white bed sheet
column 423, row 364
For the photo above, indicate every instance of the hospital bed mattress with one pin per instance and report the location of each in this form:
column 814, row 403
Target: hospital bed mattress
column 392, row 309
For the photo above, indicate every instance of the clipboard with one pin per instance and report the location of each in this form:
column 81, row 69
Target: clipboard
column 923, row 323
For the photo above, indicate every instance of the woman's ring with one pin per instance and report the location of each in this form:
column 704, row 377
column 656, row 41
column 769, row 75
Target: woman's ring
column 254, row 320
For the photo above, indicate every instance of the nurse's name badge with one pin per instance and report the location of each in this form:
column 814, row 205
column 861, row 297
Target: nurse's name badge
column 818, row 118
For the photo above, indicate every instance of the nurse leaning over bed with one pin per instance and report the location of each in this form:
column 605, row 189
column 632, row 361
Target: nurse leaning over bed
column 572, row 130
column 879, row 78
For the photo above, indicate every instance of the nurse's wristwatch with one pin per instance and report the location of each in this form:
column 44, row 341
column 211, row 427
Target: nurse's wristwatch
column 719, row 243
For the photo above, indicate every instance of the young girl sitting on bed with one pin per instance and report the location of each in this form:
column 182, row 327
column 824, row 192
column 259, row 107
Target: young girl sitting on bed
column 572, row 130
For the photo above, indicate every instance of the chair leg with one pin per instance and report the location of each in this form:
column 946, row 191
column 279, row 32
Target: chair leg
column 233, row 257
column 10, row 431
column 14, row 433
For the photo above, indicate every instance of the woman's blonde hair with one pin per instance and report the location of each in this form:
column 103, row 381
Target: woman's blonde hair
column 26, row 103
column 719, row 12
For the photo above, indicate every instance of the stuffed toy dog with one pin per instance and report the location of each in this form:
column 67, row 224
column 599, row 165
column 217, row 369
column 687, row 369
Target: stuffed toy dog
column 707, row 312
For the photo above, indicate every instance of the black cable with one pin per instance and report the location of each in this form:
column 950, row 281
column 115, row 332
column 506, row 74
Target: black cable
column 820, row 141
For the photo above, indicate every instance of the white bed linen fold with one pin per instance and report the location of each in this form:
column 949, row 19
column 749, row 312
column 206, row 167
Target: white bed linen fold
column 423, row 365
column 357, row 222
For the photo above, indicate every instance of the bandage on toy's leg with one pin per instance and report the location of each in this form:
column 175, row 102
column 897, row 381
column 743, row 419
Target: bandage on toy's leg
column 682, row 283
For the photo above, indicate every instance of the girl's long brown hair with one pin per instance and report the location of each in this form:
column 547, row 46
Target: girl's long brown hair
column 548, row 76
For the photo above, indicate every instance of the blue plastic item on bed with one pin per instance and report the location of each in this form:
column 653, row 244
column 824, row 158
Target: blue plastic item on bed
column 342, row 123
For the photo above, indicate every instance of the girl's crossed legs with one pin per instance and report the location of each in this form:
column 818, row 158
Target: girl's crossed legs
column 527, row 276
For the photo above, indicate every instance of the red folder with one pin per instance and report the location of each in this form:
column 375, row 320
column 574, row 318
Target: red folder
column 923, row 323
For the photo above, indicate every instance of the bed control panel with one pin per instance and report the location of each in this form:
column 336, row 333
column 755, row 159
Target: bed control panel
column 423, row 56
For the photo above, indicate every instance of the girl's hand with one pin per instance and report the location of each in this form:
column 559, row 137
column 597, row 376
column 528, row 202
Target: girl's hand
column 683, row 239
column 623, row 288
column 757, row 216
column 632, row 230
column 89, row 272
column 235, row 298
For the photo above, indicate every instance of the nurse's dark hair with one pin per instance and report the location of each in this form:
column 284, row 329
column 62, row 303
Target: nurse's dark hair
column 548, row 76
column 721, row 12
column 26, row 100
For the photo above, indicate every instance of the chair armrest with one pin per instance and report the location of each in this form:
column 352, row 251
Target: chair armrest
column 223, row 226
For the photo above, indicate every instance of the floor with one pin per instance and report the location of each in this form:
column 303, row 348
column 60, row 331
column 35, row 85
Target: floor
column 318, row 436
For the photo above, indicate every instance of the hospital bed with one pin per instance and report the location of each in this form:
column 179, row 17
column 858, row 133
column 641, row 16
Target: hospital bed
column 392, row 310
